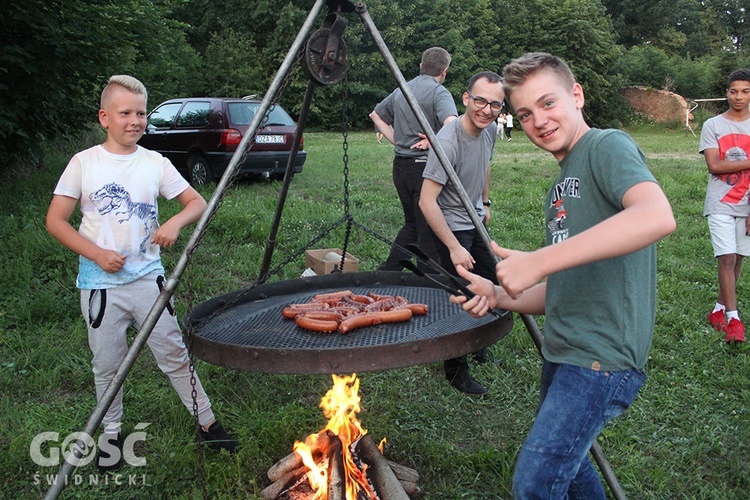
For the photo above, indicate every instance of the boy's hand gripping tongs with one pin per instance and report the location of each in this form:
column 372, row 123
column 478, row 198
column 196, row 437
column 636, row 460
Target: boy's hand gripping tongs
column 458, row 288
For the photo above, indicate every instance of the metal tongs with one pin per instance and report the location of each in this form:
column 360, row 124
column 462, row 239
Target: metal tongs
column 459, row 287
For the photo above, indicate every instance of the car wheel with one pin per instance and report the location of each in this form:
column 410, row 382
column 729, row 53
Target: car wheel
column 199, row 171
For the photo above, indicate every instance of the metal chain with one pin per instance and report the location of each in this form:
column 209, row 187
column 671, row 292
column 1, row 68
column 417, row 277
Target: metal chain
column 345, row 158
column 188, row 335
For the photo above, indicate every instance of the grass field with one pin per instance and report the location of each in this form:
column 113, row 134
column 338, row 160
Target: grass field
column 685, row 436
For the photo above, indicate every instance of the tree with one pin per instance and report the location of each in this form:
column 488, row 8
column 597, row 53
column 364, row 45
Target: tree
column 734, row 15
column 58, row 55
column 576, row 30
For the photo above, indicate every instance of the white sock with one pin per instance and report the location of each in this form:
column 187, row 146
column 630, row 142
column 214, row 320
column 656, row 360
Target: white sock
column 732, row 315
column 719, row 307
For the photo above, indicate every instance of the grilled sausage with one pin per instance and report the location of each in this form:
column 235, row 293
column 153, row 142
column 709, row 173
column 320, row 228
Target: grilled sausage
column 416, row 309
column 358, row 321
column 386, row 304
column 316, row 325
column 333, row 296
column 291, row 310
column 362, row 299
column 377, row 296
column 323, row 314
column 395, row 315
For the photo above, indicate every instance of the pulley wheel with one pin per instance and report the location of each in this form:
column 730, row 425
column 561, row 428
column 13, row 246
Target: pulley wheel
column 324, row 66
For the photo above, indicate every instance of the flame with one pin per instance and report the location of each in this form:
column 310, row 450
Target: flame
column 341, row 406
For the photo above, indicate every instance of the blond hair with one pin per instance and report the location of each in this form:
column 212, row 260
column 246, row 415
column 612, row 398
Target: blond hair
column 122, row 81
column 521, row 69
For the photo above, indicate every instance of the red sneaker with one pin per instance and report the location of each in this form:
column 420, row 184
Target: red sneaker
column 718, row 320
column 735, row 331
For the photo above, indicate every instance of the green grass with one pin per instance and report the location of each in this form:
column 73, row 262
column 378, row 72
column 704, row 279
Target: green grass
column 684, row 437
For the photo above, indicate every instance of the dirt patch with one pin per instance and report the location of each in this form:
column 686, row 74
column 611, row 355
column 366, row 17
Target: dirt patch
column 661, row 106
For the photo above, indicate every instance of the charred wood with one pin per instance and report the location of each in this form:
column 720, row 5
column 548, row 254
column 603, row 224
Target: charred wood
column 336, row 473
column 379, row 471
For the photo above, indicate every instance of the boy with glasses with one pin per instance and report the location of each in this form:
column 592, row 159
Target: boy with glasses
column 469, row 144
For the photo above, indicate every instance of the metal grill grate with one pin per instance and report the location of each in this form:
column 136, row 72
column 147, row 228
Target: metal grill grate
column 252, row 334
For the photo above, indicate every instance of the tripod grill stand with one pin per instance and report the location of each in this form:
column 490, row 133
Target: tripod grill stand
column 326, row 62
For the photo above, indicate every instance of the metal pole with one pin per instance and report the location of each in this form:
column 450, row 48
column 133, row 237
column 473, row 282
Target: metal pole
column 271, row 241
column 427, row 129
column 528, row 320
column 169, row 288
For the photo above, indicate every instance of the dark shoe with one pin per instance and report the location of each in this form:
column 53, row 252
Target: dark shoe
column 217, row 438
column 110, row 458
column 464, row 382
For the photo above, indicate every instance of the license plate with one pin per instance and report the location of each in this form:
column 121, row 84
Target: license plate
column 269, row 139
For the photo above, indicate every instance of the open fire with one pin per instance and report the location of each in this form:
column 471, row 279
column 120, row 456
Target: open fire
column 342, row 461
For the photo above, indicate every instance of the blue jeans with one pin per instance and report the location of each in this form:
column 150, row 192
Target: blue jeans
column 575, row 404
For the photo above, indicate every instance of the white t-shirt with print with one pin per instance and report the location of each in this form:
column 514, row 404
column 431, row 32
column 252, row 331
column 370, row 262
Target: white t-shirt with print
column 727, row 194
column 118, row 198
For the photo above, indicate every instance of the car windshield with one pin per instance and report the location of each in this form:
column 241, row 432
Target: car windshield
column 242, row 113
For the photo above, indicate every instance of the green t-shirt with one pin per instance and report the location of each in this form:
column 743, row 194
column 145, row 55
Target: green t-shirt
column 599, row 315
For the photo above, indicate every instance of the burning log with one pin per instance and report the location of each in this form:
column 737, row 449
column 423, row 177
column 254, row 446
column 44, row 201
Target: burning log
column 342, row 462
column 287, row 464
column 380, row 473
column 293, row 461
column 288, row 473
column 336, row 472
column 286, row 481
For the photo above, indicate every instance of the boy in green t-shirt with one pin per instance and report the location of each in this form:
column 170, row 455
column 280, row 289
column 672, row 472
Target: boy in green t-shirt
column 595, row 280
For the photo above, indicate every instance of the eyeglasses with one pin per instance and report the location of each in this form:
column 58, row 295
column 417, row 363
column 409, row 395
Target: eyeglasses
column 482, row 103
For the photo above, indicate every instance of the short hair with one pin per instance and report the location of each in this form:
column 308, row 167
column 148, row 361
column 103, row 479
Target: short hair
column 435, row 60
column 490, row 76
column 742, row 74
column 521, row 69
column 122, row 81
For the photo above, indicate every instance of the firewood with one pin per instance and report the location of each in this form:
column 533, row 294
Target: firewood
column 290, row 462
column 410, row 488
column 293, row 461
column 379, row 472
column 403, row 472
column 336, row 473
column 273, row 490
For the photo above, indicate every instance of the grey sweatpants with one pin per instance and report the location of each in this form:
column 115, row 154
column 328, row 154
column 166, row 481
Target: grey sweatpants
column 108, row 314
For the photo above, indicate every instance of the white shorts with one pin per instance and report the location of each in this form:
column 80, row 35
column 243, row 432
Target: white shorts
column 728, row 235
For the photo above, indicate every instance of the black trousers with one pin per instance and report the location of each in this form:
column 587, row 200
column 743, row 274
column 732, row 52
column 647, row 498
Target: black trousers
column 407, row 177
column 484, row 266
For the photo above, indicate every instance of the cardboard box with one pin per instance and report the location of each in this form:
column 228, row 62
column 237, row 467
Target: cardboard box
column 316, row 259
